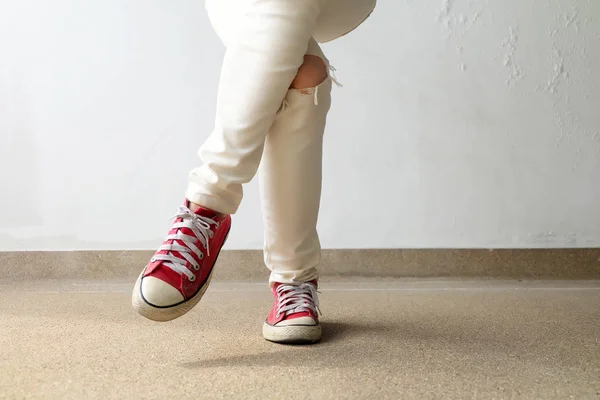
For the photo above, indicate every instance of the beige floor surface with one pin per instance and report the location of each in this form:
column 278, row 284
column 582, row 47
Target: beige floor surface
column 383, row 340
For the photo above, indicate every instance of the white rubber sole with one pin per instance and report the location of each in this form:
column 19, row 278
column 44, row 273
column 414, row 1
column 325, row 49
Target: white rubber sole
column 292, row 333
column 163, row 314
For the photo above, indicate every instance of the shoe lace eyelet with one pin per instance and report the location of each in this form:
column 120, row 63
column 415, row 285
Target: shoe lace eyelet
column 197, row 267
column 202, row 256
column 192, row 278
column 211, row 234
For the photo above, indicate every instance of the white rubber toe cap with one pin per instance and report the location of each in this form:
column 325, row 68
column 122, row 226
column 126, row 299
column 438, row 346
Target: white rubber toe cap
column 304, row 321
column 159, row 293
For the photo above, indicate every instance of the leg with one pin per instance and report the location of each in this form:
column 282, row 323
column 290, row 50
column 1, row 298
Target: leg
column 290, row 181
column 262, row 58
column 290, row 174
column 265, row 48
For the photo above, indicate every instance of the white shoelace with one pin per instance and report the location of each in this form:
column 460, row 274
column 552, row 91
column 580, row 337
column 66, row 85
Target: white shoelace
column 294, row 298
column 201, row 227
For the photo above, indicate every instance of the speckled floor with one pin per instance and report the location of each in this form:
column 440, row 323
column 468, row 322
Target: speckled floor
column 383, row 340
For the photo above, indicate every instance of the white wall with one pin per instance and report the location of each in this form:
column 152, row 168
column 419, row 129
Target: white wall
column 461, row 124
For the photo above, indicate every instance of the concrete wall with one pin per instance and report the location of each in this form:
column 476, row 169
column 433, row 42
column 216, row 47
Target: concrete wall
column 461, row 124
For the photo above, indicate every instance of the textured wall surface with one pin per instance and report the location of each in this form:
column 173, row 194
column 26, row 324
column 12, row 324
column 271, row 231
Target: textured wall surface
column 460, row 124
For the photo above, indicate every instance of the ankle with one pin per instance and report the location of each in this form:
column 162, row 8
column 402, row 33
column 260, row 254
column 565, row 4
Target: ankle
column 195, row 206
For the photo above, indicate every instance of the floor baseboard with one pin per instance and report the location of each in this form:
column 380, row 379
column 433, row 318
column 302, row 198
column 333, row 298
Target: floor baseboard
column 242, row 265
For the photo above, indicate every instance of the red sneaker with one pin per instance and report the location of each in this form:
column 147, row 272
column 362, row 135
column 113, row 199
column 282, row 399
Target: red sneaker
column 179, row 273
column 295, row 314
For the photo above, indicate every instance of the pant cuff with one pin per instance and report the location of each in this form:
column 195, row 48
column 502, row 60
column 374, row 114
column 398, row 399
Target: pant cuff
column 294, row 276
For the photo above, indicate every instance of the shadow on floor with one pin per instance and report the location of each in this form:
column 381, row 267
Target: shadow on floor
column 334, row 344
column 419, row 343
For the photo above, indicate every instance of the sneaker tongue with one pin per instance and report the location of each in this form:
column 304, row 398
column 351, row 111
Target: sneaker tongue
column 277, row 284
column 205, row 212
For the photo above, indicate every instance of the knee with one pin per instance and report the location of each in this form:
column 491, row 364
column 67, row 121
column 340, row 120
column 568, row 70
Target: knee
column 311, row 73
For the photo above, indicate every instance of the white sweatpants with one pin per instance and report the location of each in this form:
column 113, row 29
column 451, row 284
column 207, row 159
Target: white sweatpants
column 260, row 118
